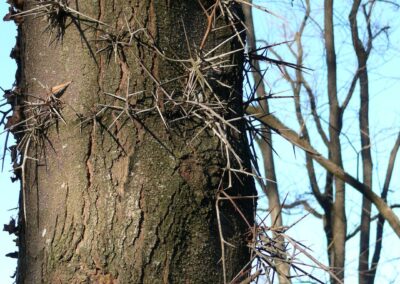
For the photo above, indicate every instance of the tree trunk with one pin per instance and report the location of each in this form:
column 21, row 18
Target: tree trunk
column 362, row 56
column 270, row 186
column 339, row 223
column 120, row 198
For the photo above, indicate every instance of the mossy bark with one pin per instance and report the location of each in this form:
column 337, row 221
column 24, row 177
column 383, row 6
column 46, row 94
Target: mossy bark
column 134, row 203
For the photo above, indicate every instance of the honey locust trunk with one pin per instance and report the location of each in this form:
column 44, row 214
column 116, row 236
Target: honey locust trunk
column 121, row 186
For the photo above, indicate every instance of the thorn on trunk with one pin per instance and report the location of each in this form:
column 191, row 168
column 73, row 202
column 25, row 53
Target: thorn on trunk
column 11, row 227
column 12, row 254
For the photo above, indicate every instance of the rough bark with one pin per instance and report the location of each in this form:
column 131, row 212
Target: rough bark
column 135, row 203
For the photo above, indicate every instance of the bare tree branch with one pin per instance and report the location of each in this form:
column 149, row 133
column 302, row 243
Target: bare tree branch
column 296, row 89
column 381, row 219
column 271, row 187
column 330, row 166
column 300, row 81
column 362, row 54
column 306, row 206
column 358, row 229
column 338, row 218
column 350, row 92
column 313, row 105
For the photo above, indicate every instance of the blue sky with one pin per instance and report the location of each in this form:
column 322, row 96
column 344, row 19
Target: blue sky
column 8, row 191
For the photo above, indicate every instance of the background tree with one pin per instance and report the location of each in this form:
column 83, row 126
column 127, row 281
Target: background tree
column 308, row 102
column 269, row 185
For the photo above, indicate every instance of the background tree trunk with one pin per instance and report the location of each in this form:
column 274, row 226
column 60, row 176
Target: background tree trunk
column 270, row 185
column 367, row 166
column 338, row 216
column 134, row 203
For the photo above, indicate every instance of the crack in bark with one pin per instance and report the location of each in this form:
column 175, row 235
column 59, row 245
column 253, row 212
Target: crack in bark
column 140, row 236
column 63, row 222
column 90, row 151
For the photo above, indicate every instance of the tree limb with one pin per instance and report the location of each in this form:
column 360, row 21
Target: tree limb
column 338, row 172
column 381, row 220
column 305, row 205
column 356, row 230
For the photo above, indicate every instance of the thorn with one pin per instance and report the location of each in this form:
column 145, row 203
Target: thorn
column 19, row 4
column 11, row 228
column 12, row 254
column 14, row 120
column 12, row 15
column 59, row 90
